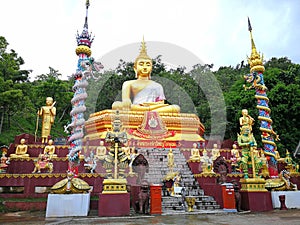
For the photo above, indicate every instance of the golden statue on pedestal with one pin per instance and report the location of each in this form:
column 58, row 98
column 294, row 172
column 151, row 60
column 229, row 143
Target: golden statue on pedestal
column 21, row 150
column 50, row 149
column 145, row 115
column 246, row 119
column 195, row 155
column 207, row 163
column 101, row 151
column 47, row 113
column 215, row 152
column 143, row 94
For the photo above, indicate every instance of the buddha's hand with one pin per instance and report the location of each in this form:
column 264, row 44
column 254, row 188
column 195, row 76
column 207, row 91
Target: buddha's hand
column 126, row 104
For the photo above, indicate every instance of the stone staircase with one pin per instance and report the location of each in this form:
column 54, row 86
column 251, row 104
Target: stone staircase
column 158, row 169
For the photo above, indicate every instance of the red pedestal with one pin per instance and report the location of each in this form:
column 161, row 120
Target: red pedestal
column 114, row 204
column 155, row 203
column 256, row 201
column 228, row 197
column 195, row 167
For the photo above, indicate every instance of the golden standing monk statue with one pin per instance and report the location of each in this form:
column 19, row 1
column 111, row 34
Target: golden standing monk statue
column 47, row 113
column 21, row 150
column 171, row 160
column 143, row 94
column 246, row 119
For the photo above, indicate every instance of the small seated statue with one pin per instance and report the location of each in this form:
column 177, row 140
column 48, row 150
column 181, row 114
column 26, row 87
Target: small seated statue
column 143, row 94
column 50, row 149
column 195, row 155
column 291, row 166
column 215, row 152
column 21, row 150
column 206, row 163
column 101, row 151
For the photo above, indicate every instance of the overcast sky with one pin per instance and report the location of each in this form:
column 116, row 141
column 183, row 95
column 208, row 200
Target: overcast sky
column 43, row 32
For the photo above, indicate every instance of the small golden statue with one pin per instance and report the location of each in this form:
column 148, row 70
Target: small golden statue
column 171, row 160
column 215, row 152
column 291, row 166
column 195, row 155
column 264, row 169
column 190, row 200
column 47, row 113
column 246, row 120
column 143, row 94
column 101, row 151
column 21, row 150
column 50, row 149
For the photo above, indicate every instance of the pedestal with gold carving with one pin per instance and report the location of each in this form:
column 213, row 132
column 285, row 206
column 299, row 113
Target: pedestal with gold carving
column 254, row 195
column 174, row 127
column 114, row 200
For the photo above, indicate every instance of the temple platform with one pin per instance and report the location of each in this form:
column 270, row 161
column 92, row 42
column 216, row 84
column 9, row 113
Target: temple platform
column 142, row 127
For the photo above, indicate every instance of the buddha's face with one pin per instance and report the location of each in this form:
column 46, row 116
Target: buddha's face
column 49, row 101
column 143, row 67
column 50, row 142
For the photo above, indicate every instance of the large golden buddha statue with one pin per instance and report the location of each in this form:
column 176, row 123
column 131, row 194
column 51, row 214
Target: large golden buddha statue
column 143, row 94
column 146, row 118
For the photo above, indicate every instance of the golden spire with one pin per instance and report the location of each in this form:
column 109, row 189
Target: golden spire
column 255, row 60
column 143, row 52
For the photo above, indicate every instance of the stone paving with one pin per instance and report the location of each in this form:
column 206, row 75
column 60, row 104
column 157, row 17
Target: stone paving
column 205, row 217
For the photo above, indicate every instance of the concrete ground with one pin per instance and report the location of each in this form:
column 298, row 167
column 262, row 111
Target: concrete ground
column 275, row 217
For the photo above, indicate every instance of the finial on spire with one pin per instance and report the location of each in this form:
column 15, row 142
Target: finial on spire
column 143, row 51
column 85, row 39
column 255, row 61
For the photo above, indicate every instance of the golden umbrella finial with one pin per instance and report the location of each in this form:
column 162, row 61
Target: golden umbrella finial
column 255, row 60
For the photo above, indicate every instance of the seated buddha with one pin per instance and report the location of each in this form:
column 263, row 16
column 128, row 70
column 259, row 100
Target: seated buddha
column 101, row 151
column 195, row 155
column 143, row 94
column 215, row 152
column 50, row 149
column 21, row 150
